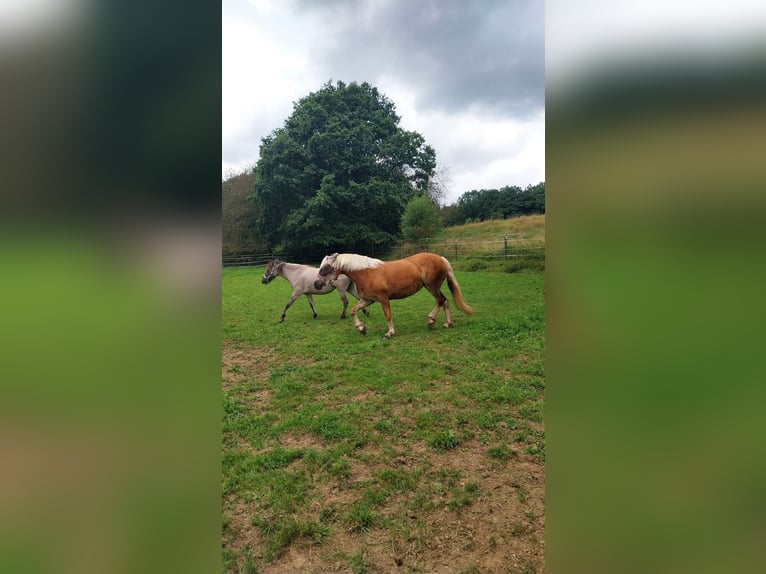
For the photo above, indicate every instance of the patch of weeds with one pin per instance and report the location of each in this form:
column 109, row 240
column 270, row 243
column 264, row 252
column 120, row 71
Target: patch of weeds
column 359, row 563
column 340, row 469
column 520, row 493
column 282, row 532
column 488, row 420
column 530, row 514
column 228, row 558
column 239, row 369
column 535, row 441
column 250, row 566
column 533, row 411
column 501, row 452
column 427, row 418
column 449, row 476
column 373, row 496
column 361, row 517
column 331, row 427
column 384, row 426
column 398, row 479
column 473, row 265
column 529, row 262
column 469, row 493
column 231, row 410
column 421, row 501
column 537, row 450
column 518, row 530
column 329, row 514
column 277, row 458
column 243, row 471
column 473, row 569
column 528, row 568
column 444, row 440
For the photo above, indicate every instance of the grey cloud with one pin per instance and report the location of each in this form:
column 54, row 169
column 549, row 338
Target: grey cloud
column 452, row 53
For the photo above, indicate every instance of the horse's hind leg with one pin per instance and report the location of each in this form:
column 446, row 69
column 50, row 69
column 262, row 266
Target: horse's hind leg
column 311, row 302
column 387, row 312
column 441, row 301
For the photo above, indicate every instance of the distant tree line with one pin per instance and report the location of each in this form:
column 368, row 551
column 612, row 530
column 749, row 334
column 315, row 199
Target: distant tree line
column 483, row 204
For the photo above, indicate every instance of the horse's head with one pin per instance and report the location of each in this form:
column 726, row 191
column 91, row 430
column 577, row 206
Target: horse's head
column 272, row 270
column 327, row 273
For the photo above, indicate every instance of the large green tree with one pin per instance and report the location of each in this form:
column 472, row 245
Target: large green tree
column 340, row 172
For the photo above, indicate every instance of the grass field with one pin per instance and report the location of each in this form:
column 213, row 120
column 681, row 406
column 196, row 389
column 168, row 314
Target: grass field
column 351, row 453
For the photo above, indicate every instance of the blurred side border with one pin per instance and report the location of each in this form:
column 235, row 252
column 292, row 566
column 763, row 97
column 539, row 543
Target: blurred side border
column 110, row 263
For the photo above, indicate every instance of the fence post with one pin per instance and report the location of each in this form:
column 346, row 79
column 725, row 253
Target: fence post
column 505, row 246
column 455, row 249
column 426, row 244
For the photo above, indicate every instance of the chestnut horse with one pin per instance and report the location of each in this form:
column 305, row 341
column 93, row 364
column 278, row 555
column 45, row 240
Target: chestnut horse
column 379, row 281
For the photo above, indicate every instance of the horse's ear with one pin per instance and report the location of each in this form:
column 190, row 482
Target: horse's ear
column 334, row 254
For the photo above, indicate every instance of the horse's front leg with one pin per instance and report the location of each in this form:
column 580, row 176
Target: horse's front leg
column 360, row 306
column 352, row 289
column 289, row 303
column 387, row 312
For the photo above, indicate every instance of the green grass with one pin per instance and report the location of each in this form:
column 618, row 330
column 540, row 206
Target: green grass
column 316, row 408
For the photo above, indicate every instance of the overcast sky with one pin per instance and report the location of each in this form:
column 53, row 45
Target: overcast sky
column 467, row 75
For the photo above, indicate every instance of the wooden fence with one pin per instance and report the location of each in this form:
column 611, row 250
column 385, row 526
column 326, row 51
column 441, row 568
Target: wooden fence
column 506, row 247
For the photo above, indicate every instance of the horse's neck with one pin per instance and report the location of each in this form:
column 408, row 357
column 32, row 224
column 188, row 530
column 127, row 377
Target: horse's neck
column 353, row 262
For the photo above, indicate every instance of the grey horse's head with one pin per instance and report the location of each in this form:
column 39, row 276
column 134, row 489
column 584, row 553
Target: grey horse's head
column 273, row 269
column 327, row 273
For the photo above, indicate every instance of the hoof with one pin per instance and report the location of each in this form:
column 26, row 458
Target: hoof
column 363, row 330
column 431, row 325
column 282, row 320
column 448, row 325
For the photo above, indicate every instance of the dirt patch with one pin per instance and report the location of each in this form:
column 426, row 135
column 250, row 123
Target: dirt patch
column 239, row 532
column 498, row 525
column 239, row 365
column 292, row 440
column 500, row 530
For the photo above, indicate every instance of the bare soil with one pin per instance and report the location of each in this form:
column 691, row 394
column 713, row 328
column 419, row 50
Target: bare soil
column 501, row 530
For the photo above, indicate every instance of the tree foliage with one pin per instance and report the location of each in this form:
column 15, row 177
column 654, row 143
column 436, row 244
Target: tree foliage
column 502, row 203
column 238, row 215
column 340, row 172
column 421, row 219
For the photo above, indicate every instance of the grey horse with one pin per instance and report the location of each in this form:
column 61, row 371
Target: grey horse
column 301, row 278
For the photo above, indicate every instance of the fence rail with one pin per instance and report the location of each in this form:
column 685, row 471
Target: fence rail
column 504, row 248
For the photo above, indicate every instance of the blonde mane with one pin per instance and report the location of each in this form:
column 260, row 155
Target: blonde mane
column 354, row 262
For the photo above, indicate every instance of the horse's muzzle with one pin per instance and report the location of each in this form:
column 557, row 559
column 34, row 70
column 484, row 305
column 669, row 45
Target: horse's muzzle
column 266, row 280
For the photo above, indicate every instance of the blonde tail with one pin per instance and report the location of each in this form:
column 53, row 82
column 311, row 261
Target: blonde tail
column 454, row 288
